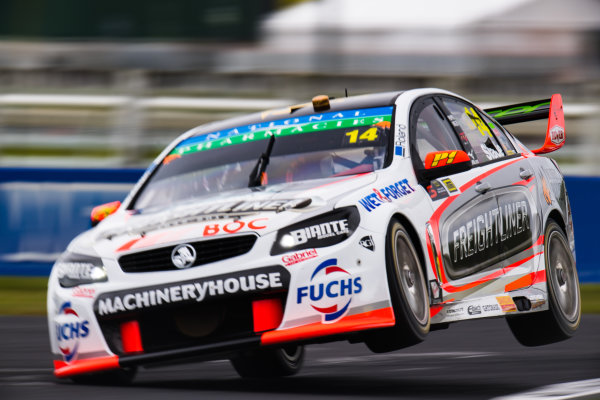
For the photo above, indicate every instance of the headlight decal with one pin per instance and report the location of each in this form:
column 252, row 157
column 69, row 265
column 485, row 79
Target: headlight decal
column 320, row 231
column 77, row 269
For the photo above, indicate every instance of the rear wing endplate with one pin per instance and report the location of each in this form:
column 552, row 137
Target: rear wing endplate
column 551, row 109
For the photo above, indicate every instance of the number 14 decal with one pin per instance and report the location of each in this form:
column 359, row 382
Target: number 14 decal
column 368, row 135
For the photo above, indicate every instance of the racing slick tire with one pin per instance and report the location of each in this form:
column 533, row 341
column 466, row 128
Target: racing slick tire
column 408, row 290
column 562, row 318
column 269, row 362
column 116, row 377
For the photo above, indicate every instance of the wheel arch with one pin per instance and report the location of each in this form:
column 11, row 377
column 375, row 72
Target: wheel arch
column 414, row 237
column 557, row 217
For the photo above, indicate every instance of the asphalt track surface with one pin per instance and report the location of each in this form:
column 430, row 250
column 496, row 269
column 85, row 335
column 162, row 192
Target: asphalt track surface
column 470, row 360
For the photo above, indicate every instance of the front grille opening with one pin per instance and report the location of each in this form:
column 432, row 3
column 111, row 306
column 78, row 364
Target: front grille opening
column 207, row 251
column 188, row 325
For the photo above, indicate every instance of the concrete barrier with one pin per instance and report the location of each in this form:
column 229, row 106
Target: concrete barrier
column 41, row 210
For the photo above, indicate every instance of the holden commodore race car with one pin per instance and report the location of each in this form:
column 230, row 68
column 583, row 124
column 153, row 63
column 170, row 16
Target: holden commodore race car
column 374, row 219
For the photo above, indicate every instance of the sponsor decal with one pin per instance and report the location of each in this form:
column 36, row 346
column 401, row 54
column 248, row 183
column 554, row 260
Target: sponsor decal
column 300, row 256
column 183, row 256
column 367, row 242
column 449, row 185
column 438, row 159
column 491, row 153
column 490, row 307
column 557, row 134
column 233, row 227
column 465, row 141
column 330, row 291
column 400, row 141
column 323, row 230
column 285, row 127
column 70, row 329
column 216, row 211
column 320, row 231
column 491, row 229
column 74, row 269
column 386, row 195
column 546, row 191
column 196, row 290
column 437, row 191
column 82, row 291
column 516, row 110
column 79, row 271
column 506, row 303
column 476, row 122
column 479, row 234
column 474, row 310
column 455, row 311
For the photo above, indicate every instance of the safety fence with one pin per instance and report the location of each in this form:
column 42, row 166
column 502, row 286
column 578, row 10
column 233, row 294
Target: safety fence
column 41, row 210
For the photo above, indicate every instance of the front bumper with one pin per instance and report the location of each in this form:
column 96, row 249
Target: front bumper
column 217, row 328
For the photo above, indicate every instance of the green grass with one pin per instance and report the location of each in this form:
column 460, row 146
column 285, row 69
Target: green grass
column 27, row 296
column 590, row 298
column 23, row 296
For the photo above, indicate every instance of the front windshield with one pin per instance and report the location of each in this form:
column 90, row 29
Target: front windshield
column 311, row 147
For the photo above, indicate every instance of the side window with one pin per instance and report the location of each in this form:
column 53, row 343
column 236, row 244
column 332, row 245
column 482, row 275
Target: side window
column 485, row 146
column 507, row 146
column 432, row 131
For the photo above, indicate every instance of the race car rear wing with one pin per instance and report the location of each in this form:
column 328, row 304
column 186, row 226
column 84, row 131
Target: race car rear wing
column 551, row 108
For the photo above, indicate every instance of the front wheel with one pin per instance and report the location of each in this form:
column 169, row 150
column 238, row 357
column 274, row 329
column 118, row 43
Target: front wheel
column 408, row 290
column 562, row 318
column 269, row 362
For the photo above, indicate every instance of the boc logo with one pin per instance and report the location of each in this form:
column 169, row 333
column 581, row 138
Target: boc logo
column 330, row 291
column 70, row 328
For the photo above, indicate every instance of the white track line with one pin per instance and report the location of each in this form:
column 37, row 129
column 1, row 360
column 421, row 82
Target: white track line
column 378, row 357
column 560, row 391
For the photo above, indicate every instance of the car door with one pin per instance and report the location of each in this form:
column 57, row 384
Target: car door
column 468, row 229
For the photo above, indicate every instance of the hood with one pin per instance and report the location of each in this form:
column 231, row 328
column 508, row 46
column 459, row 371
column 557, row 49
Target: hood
column 259, row 210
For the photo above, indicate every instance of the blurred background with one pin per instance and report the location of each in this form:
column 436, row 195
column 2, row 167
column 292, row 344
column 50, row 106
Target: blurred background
column 108, row 83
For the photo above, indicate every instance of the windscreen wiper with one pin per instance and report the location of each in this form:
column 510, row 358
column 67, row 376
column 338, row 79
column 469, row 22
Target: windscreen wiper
column 261, row 165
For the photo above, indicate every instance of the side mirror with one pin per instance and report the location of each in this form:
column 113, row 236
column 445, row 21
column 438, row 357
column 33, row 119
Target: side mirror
column 102, row 211
column 555, row 133
column 447, row 162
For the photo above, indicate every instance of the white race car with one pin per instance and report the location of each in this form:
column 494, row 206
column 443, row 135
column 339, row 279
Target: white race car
column 373, row 219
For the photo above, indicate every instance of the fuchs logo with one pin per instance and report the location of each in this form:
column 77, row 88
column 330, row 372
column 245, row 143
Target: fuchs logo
column 300, row 256
column 330, row 291
column 367, row 242
column 69, row 330
column 557, row 134
column 183, row 256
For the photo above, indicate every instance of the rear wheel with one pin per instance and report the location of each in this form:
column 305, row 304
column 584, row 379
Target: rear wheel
column 408, row 290
column 269, row 362
column 562, row 318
